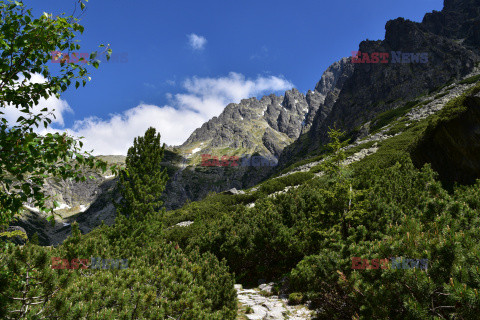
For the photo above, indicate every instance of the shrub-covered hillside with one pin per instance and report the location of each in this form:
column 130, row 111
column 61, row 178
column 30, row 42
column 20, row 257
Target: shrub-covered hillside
column 161, row 281
column 305, row 231
column 378, row 208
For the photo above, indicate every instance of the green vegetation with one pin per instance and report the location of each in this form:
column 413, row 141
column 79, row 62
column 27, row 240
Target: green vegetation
column 161, row 281
column 266, row 293
column 279, row 184
column 295, row 298
column 301, row 163
column 379, row 207
column 425, row 102
column 387, row 117
column 398, row 127
column 360, row 147
column 470, row 80
column 438, row 96
column 143, row 181
column 311, row 233
column 454, row 107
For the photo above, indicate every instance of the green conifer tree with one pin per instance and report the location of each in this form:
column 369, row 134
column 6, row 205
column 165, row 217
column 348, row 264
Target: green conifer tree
column 143, row 181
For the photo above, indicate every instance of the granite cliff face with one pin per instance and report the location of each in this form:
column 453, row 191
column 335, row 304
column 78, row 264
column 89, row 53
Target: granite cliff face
column 268, row 125
column 262, row 126
column 89, row 203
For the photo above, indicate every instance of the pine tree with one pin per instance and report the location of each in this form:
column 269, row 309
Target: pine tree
column 342, row 183
column 143, row 181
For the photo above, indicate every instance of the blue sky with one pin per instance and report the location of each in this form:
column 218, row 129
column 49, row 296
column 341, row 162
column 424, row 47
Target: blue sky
column 182, row 61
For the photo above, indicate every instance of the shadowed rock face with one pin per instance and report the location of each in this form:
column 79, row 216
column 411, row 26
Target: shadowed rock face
column 89, row 203
column 453, row 146
column 326, row 92
column 460, row 19
column 320, row 103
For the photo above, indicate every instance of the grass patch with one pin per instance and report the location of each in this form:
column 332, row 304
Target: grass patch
column 470, row 80
column 393, row 149
column 396, row 128
column 384, row 118
column 301, row 163
column 295, row 298
column 360, row 147
column 425, row 102
column 455, row 106
column 438, row 96
column 266, row 293
column 279, row 184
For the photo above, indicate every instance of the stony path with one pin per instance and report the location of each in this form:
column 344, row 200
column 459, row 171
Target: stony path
column 255, row 306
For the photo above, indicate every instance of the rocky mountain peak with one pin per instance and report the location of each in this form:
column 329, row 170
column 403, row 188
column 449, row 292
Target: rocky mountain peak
column 337, row 72
column 321, row 100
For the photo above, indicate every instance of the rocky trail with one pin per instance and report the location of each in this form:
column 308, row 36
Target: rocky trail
column 261, row 304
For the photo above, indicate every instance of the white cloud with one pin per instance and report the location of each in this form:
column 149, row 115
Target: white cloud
column 57, row 106
column 210, row 95
column 203, row 99
column 115, row 135
column 196, row 42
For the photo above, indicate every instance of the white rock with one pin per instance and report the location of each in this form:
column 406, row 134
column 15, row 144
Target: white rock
column 184, row 224
column 31, row 208
column 63, row 206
